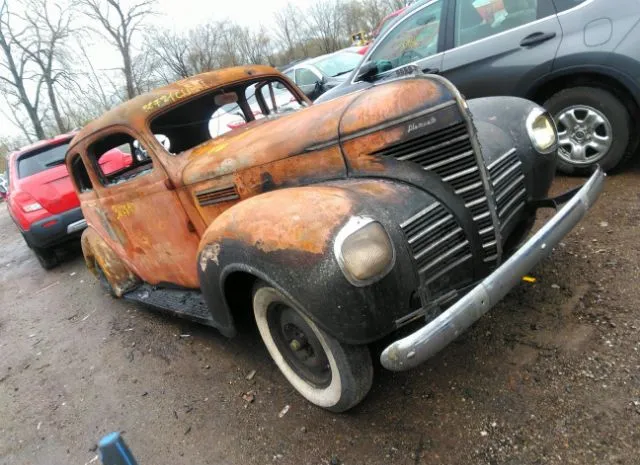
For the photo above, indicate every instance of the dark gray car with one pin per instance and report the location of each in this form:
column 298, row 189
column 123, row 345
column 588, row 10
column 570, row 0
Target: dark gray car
column 578, row 58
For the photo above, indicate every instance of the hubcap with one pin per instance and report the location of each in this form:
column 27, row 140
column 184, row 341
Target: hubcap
column 299, row 345
column 585, row 134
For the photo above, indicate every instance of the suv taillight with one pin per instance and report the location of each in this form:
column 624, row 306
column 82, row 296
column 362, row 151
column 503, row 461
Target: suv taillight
column 27, row 203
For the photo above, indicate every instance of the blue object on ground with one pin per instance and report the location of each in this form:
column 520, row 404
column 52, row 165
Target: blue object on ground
column 114, row 451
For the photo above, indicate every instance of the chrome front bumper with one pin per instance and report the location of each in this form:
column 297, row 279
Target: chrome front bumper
column 419, row 346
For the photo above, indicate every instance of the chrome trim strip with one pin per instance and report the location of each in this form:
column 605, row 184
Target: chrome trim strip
column 500, row 159
column 459, row 174
column 435, row 244
column 421, row 213
column 432, row 278
column 433, row 148
column 431, row 227
column 448, row 160
column 419, row 346
column 443, row 256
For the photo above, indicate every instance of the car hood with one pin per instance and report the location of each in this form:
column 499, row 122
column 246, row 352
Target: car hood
column 313, row 128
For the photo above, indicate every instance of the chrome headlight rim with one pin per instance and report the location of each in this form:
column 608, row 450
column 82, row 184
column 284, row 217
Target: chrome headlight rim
column 353, row 225
column 532, row 117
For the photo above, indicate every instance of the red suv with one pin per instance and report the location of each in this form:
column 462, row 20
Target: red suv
column 41, row 199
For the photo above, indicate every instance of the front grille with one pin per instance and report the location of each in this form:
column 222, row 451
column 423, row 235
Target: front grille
column 217, row 195
column 507, row 180
column 438, row 245
column 448, row 152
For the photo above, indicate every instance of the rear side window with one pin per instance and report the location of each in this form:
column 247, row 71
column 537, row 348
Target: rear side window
column 41, row 160
column 119, row 158
column 562, row 5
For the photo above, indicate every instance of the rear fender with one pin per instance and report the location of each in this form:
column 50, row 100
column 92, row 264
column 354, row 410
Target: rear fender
column 96, row 251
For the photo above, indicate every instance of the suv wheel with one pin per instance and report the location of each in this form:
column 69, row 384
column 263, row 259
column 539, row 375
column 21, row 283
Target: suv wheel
column 593, row 129
column 47, row 257
column 326, row 372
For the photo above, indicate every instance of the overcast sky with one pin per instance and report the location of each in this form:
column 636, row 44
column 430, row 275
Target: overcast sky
column 182, row 15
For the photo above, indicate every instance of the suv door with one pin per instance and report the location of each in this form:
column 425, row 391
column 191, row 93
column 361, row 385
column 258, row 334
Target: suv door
column 500, row 47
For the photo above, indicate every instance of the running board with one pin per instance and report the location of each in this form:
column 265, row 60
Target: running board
column 183, row 303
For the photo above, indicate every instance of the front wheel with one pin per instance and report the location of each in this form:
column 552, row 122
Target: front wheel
column 593, row 129
column 328, row 373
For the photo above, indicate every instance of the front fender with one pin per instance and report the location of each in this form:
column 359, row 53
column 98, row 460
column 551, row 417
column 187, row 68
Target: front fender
column 286, row 238
column 501, row 126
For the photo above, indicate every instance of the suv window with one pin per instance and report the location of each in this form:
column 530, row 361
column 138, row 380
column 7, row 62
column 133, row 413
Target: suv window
column 41, row 160
column 477, row 19
column 562, row 5
column 305, row 77
column 118, row 158
column 415, row 38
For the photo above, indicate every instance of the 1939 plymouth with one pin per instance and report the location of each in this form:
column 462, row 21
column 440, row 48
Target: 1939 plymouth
column 334, row 224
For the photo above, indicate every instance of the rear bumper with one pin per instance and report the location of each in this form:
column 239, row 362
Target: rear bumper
column 61, row 228
column 419, row 346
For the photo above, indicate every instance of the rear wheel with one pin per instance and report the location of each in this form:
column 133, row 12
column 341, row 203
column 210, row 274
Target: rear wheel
column 47, row 257
column 328, row 373
column 593, row 129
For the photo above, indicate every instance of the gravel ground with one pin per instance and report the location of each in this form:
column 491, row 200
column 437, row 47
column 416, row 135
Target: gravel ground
column 550, row 376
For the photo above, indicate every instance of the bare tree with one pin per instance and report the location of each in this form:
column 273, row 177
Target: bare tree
column 394, row 5
column 253, row 46
column 119, row 26
column 16, row 72
column 373, row 11
column 289, row 31
column 45, row 46
column 325, row 20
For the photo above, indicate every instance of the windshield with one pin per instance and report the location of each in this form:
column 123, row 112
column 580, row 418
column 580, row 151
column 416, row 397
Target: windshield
column 339, row 63
column 44, row 159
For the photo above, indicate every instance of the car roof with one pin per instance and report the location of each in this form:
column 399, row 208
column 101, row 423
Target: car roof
column 314, row 60
column 55, row 140
column 137, row 111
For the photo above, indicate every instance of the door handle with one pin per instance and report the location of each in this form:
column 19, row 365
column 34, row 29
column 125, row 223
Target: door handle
column 536, row 38
column 428, row 70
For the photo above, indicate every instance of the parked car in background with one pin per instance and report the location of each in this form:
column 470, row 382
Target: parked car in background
column 3, row 186
column 320, row 74
column 42, row 201
column 578, row 58
column 334, row 225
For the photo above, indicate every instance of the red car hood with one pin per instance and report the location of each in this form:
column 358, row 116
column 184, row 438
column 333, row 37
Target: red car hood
column 52, row 189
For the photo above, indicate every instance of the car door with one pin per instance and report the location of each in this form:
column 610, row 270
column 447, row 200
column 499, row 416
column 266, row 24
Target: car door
column 500, row 47
column 141, row 213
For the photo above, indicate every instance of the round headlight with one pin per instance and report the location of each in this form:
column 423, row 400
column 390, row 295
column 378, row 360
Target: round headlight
column 542, row 131
column 364, row 251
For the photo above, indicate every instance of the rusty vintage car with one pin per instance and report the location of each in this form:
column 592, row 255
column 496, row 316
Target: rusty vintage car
column 334, row 225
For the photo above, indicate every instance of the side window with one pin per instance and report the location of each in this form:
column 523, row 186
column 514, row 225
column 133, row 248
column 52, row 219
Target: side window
column 279, row 100
column 118, row 158
column 477, row 19
column 80, row 174
column 305, row 77
column 562, row 5
column 413, row 39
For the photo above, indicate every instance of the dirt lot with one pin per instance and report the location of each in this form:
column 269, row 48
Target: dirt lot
column 550, row 376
